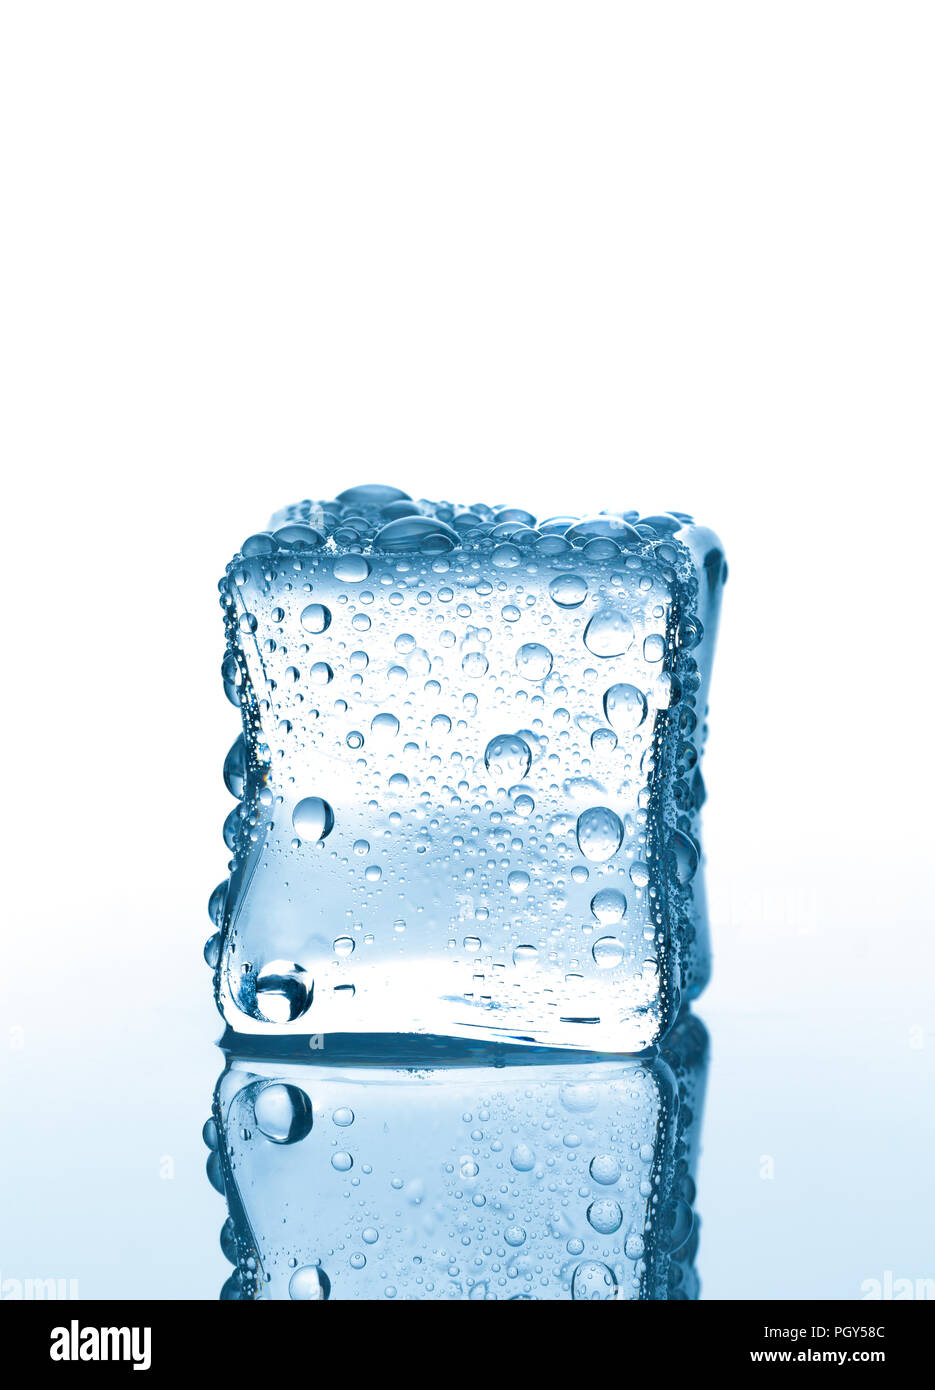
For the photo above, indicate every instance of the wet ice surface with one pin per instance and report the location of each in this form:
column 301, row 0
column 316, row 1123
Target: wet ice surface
column 468, row 787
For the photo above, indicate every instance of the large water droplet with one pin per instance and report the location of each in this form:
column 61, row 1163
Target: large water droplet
column 654, row 647
column 599, row 833
column 609, row 633
column 522, row 1158
column 593, row 1281
column 351, row 569
column 677, row 1227
column 683, row 854
column 217, row 901
column 605, row 1215
column 310, row 1284
column 605, row 1169
column 625, row 707
column 283, row 991
column 607, row 953
column 474, row 664
column 313, row 819
column 608, row 906
column 316, row 618
column 612, row 526
column 415, row 533
column 508, row 756
column 634, row 1245
column 283, row 1113
column 235, row 768
column 568, row 590
column 533, row 661
column 372, row 495
column 384, row 727
column 299, row 537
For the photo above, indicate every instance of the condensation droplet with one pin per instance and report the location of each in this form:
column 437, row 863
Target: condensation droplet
column 625, row 707
column 609, row 633
column 533, row 661
column 316, row 618
column 599, row 833
column 313, row 819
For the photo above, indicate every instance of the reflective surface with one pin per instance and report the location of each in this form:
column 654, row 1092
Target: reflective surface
column 539, row 1179
column 814, row 1175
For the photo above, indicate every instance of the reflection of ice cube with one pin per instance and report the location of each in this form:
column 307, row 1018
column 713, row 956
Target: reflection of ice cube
column 542, row 1181
column 468, row 784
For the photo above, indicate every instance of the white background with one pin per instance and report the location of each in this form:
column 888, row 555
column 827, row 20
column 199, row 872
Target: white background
column 560, row 256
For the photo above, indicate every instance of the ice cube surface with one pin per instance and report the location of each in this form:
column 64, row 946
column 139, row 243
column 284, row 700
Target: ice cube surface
column 467, row 783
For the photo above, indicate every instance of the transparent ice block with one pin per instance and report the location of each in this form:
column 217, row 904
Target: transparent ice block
column 467, row 783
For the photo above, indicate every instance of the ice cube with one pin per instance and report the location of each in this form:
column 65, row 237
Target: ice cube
column 468, row 781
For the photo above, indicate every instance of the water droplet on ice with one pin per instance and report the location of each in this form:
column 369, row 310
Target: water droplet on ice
column 316, row 618
column 605, row 1215
column 608, row 906
column 283, row 1113
column 313, row 819
column 310, row 1284
column 568, row 590
column 534, row 661
column 609, row 633
column 351, row 569
column 283, row 991
column 522, row 1158
column 593, row 1281
column 508, row 756
column 625, row 707
column 599, row 833
column 607, row 952
column 605, row 1169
